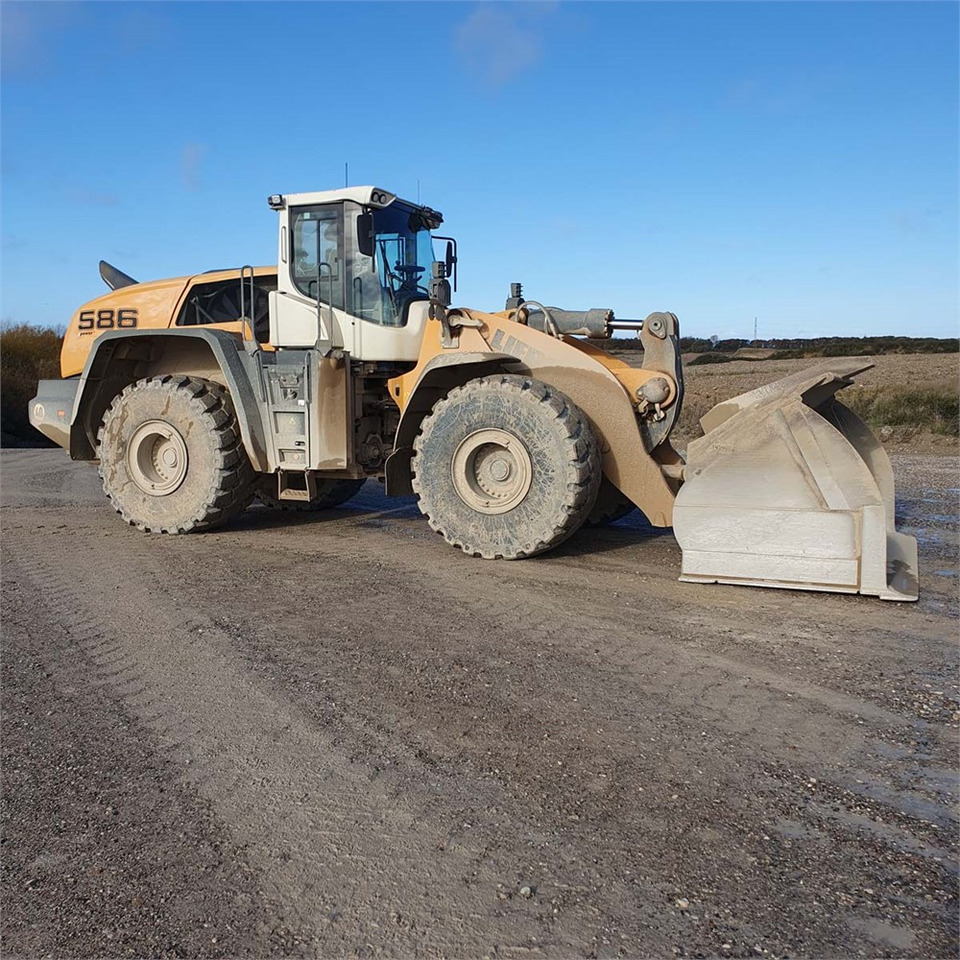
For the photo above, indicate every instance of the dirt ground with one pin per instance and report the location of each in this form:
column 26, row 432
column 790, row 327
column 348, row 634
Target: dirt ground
column 337, row 736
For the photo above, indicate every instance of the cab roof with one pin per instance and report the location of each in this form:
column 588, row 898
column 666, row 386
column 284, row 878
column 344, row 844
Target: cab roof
column 375, row 197
column 366, row 196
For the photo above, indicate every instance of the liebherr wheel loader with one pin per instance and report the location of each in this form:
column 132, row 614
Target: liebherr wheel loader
column 348, row 361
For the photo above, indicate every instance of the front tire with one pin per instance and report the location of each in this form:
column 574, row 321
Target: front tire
column 506, row 467
column 172, row 457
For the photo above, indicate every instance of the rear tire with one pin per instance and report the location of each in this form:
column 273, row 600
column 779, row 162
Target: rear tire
column 330, row 493
column 506, row 467
column 172, row 457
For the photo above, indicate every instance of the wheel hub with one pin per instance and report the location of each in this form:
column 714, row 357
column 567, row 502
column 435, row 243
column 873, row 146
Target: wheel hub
column 500, row 470
column 157, row 458
column 492, row 471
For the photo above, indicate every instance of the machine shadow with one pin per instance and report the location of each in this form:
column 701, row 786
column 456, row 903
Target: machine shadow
column 632, row 531
column 370, row 506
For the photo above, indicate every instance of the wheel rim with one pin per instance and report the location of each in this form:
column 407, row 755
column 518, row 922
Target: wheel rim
column 492, row 471
column 157, row 458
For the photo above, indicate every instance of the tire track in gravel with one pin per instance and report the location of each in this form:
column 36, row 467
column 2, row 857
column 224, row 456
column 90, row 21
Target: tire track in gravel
column 280, row 782
column 688, row 678
column 529, row 723
column 635, row 666
column 105, row 852
column 686, row 633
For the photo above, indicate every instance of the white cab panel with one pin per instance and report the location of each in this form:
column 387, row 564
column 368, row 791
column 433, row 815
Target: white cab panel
column 375, row 342
column 293, row 323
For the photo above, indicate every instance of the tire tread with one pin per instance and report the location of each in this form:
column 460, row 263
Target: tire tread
column 583, row 467
column 231, row 483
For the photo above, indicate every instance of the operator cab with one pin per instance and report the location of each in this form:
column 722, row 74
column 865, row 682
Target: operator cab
column 354, row 269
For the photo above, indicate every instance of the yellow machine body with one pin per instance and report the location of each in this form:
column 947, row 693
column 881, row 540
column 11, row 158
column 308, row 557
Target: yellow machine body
column 153, row 305
column 787, row 488
column 603, row 387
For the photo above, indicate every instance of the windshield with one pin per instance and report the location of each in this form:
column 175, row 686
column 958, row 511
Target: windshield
column 400, row 271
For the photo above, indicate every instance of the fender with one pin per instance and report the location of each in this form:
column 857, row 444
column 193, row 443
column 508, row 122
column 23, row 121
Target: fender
column 588, row 377
column 119, row 358
column 436, row 379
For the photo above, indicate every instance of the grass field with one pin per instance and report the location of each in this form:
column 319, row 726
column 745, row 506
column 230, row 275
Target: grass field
column 910, row 400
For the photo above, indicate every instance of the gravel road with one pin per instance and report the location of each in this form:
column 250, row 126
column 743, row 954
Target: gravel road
column 336, row 736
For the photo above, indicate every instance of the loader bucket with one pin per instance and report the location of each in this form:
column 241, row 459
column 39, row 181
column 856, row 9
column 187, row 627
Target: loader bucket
column 789, row 488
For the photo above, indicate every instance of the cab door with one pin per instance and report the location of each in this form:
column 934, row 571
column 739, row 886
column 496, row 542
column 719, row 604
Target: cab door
column 309, row 304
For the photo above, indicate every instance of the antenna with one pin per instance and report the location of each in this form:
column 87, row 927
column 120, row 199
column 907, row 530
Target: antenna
column 418, row 192
column 754, row 328
column 346, row 174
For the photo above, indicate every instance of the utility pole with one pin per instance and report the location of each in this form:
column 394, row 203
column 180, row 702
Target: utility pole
column 754, row 328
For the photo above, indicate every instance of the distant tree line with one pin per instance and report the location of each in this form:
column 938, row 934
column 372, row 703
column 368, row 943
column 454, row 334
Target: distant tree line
column 27, row 354
column 812, row 347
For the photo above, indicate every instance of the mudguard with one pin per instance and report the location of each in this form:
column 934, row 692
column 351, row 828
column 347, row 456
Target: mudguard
column 119, row 358
column 435, row 379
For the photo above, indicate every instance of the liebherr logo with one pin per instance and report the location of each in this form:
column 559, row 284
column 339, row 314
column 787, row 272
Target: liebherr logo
column 531, row 356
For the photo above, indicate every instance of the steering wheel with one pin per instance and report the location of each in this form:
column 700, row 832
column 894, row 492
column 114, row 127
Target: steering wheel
column 409, row 271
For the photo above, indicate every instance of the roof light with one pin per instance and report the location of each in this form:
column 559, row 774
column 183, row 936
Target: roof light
column 276, row 201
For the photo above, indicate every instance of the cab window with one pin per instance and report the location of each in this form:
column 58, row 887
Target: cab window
column 317, row 270
column 385, row 285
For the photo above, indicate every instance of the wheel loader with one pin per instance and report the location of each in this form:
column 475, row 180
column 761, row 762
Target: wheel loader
column 295, row 383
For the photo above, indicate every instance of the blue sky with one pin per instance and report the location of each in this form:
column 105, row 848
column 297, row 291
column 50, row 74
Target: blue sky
column 797, row 162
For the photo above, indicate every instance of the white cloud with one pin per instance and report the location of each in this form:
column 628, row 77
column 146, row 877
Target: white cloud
column 497, row 41
column 30, row 34
column 916, row 221
column 81, row 194
column 191, row 162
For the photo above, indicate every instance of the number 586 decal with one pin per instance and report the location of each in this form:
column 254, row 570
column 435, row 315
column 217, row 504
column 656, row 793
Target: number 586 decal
column 124, row 319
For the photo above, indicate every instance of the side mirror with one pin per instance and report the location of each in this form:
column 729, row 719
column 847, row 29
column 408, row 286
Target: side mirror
column 365, row 234
column 450, row 259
